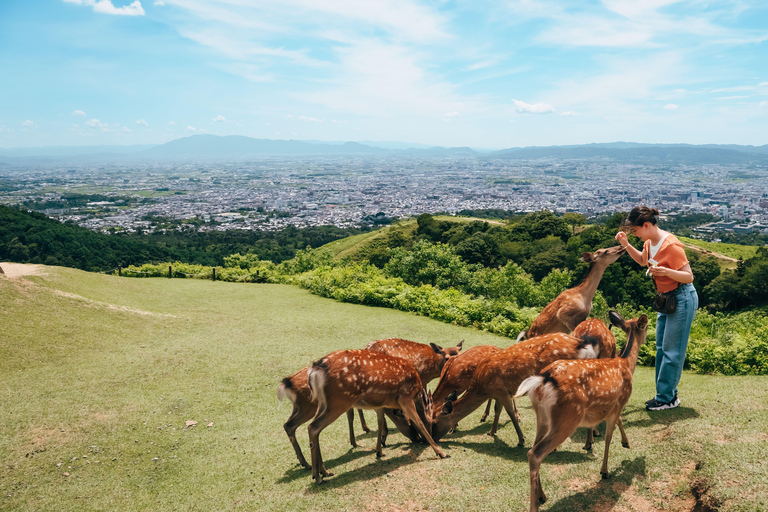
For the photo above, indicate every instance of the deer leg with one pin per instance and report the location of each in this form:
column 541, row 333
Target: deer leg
column 409, row 409
column 509, row 404
column 590, row 438
column 294, row 421
column 624, row 438
column 496, row 414
column 363, row 425
column 487, row 410
column 550, row 439
column 610, row 423
column 321, row 420
column 351, row 421
column 381, row 435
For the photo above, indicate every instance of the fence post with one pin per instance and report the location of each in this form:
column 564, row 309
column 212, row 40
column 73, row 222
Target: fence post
column 119, row 271
column 214, row 272
column 170, row 271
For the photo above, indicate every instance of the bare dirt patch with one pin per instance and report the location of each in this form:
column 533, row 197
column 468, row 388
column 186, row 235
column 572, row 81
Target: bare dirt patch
column 115, row 307
column 17, row 270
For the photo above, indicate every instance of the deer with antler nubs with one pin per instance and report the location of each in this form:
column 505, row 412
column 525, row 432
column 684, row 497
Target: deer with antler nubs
column 569, row 394
column 573, row 305
column 365, row 380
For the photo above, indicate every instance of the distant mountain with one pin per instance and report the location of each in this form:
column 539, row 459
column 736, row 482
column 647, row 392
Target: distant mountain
column 214, row 146
column 237, row 146
column 644, row 153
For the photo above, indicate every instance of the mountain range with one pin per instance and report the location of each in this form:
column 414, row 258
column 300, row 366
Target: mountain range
column 205, row 147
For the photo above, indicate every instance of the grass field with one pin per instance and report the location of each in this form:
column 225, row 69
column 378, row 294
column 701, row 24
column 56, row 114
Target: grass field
column 99, row 375
column 735, row 251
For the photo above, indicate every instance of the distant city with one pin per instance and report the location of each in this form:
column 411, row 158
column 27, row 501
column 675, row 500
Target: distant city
column 272, row 193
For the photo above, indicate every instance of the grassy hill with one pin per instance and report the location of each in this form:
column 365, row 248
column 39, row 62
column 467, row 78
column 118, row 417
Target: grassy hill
column 100, row 375
column 726, row 254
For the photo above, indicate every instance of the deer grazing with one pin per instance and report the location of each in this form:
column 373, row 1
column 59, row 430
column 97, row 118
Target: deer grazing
column 500, row 373
column 428, row 360
column 573, row 305
column 365, row 380
column 296, row 388
column 569, row 394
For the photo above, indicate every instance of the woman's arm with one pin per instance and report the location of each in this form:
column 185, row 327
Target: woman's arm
column 684, row 275
column 640, row 257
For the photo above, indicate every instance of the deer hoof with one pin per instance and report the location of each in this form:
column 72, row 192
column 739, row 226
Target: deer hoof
column 542, row 500
column 604, row 475
column 588, row 447
column 625, row 445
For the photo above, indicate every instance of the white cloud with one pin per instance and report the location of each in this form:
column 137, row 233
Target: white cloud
column 142, row 122
column 191, row 128
column 763, row 104
column 533, row 108
column 448, row 116
column 219, row 119
column 310, row 119
column 569, row 113
column 671, row 106
column 107, row 7
column 159, row 2
column 95, row 123
column 78, row 113
column 28, row 125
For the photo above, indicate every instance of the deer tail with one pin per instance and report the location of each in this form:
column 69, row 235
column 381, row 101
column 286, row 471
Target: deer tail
column 316, row 377
column 286, row 390
column 529, row 385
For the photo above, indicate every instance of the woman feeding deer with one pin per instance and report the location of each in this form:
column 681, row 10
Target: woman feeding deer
column 676, row 299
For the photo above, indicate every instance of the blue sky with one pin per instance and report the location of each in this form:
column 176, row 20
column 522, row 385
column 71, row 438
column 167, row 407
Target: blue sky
column 452, row 73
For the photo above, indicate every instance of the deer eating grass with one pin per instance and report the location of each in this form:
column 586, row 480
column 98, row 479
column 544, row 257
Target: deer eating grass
column 428, row 360
column 573, row 305
column 500, row 373
column 569, row 394
column 365, row 380
column 296, row 389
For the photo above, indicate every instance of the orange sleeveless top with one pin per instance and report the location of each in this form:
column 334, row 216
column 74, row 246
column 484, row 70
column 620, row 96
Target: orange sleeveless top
column 671, row 255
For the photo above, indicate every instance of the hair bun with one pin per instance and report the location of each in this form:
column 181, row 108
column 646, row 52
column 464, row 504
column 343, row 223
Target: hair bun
column 654, row 211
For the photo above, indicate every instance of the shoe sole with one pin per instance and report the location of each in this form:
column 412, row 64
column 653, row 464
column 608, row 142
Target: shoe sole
column 664, row 407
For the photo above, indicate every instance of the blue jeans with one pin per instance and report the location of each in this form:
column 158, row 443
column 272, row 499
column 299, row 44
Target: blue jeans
column 672, row 333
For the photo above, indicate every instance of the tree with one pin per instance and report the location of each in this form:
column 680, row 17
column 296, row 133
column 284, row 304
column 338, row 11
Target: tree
column 573, row 220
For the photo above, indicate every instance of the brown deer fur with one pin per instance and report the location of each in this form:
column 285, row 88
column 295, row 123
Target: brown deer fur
column 365, row 380
column 296, row 389
column 573, row 305
column 569, row 394
column 499, row 375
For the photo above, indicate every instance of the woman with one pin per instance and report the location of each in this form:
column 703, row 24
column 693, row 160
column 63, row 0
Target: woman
column 669, row 267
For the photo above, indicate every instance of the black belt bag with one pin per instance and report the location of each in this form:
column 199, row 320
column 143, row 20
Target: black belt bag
column 665, row 303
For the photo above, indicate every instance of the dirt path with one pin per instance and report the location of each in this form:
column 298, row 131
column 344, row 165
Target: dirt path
column 16, row 270
column 708, row 252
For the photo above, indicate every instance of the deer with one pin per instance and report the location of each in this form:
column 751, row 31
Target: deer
column 296, row 388
column 500, row 373
column 366, row 380
column 428, row 360
column 572, row 306
column 569, row 394
column 458, row 371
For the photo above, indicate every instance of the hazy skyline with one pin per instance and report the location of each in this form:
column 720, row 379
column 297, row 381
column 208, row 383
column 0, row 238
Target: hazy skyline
column 449, row 73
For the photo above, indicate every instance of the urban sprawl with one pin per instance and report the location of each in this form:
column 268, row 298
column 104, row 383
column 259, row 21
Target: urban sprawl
column 271, row 194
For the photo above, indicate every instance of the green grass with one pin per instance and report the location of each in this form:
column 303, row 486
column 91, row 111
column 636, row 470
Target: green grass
column 739, row 252
column 98, row 375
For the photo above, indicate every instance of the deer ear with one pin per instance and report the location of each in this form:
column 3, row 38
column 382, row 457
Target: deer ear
column 642, row 322
column 586, row 257
column 616, row 319
column 447, row 408
column 452, row 396
column 461, row 344
column 437, row 348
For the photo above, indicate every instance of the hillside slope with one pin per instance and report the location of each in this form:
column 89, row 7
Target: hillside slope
column 102, row 377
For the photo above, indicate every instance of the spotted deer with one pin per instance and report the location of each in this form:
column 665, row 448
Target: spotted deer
column 573, row 305
column 296, row 388
column 366, row 380
column 569, row 394
column 428, row 360
column 500, row 373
